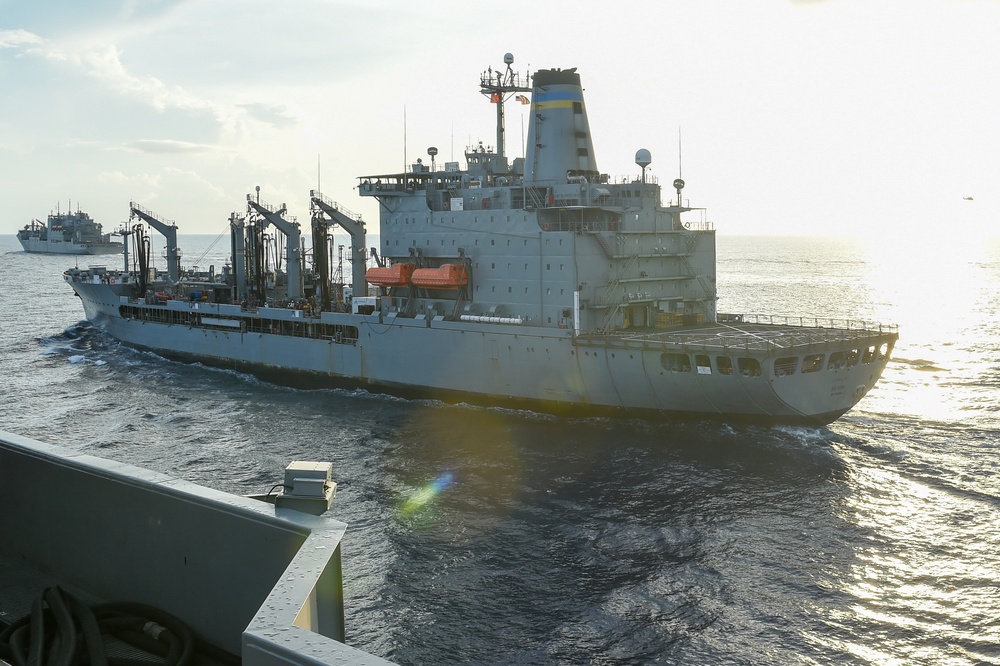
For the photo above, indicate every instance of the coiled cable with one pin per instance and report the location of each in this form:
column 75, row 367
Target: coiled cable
column 61, row 630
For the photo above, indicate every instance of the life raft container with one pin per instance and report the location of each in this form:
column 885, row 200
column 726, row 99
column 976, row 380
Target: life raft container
column 397, row 275
column 447, row 276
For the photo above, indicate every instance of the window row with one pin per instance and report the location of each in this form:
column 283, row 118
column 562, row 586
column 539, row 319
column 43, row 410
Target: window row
column 675, row 362
column 299, row 328
column 783, row 367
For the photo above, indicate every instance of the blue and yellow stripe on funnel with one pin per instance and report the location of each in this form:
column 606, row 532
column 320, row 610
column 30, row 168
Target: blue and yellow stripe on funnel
column 556, row 99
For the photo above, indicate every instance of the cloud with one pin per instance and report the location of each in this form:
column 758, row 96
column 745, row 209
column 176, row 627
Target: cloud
column 105, row 64
column 167, row 146
column 134, row 180
column 193, row 178
column 13, row 39
column 277, row 116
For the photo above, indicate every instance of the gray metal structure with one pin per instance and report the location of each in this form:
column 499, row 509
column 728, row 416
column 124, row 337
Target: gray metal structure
column 257, row 580
column 543, row 283
column 169, row 231
column 67, row 233
column 293, row 239
column 330, row 212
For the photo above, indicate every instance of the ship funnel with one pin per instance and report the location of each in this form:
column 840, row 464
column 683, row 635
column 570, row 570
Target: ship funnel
column 559, row 142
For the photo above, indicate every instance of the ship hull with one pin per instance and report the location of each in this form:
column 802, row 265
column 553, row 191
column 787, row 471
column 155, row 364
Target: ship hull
column 38, row 246
column 534, row 368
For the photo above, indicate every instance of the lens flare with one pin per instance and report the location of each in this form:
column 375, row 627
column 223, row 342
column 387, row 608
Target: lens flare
column 422, row 496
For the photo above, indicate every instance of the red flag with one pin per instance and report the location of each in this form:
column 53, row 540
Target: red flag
column 522, row 99
column 495, row 98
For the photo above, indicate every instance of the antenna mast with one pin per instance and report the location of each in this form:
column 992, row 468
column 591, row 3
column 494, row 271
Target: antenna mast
column 679, row 182
column 680, row 161
column 496, row 85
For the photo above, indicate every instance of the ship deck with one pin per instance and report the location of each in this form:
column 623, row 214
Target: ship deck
column 96, row 528
column 749, row 332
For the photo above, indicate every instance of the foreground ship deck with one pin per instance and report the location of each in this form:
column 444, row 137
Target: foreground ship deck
column 255, row 583
column 536, row 283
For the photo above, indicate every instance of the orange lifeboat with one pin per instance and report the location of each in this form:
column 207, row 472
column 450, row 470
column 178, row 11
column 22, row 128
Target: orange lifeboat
column 397, row 275
column 448, row 276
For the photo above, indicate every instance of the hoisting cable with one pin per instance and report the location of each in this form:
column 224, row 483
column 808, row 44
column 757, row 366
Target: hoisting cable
column 211, row 247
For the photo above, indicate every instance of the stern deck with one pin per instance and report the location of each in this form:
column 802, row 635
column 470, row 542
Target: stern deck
column 751, row 333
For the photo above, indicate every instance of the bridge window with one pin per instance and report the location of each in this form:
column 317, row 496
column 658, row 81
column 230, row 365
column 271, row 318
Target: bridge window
column 703, row 363
column 812, row 363
column 675, row 362
column 749, row 367
column 724, row 364
column 838, row 361
column 785, row 366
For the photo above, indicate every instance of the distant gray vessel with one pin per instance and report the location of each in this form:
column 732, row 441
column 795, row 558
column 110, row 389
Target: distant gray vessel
column 537, row 282
column 67, row 233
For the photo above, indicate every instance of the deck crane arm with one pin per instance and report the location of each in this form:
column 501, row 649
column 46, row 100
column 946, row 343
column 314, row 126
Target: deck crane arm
column 355, row 227
column 292, row 241
column 169, row 231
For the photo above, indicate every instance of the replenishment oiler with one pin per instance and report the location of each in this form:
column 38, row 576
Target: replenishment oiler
column 537, row 283
column 67, row 233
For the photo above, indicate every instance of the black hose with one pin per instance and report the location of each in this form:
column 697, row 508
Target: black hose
column 63, row 647
column 63, row 631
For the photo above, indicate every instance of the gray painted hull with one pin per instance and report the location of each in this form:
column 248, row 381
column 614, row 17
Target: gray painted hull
column 518, row 366
column 39, row 246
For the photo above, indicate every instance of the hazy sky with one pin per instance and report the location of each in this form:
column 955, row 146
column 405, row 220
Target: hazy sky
column 825, row 116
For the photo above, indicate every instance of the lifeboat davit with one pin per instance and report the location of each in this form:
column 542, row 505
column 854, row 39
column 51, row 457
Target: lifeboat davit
column 447, row 276
column 397, row 275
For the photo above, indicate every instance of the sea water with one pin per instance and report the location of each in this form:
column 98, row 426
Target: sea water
column 491, row 536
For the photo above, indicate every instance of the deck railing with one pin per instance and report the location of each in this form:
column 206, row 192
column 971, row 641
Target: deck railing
column 807, row 322
column 750, row 332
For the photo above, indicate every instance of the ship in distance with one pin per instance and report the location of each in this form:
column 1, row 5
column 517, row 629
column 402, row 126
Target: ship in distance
column 538, row 283
column 67, row 233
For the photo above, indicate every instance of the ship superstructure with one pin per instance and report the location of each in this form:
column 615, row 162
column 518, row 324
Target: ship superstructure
column 67, row 233
column 536, row 282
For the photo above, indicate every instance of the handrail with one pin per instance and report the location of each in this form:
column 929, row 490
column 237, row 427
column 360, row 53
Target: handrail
column 316, row 194
column 807, row 322
column 805, row 331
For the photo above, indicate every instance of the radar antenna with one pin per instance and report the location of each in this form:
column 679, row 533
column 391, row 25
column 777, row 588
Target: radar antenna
column 643, row 160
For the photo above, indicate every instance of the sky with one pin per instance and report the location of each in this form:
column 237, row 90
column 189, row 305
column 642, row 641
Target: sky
column 825, row 117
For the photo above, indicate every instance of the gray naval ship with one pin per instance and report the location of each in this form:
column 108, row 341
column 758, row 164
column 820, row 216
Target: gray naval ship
column 67, row 233
column 537, row 283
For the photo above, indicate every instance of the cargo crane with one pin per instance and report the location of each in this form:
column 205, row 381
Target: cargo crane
column 293, row 236
column 324, row 208
column 238, row 244
column 321, row 245
column 169, row 231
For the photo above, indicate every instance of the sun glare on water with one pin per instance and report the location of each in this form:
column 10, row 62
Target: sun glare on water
column 426, row 494
column 938, row 288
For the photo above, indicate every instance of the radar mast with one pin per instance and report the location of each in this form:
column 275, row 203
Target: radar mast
column 498, row 86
